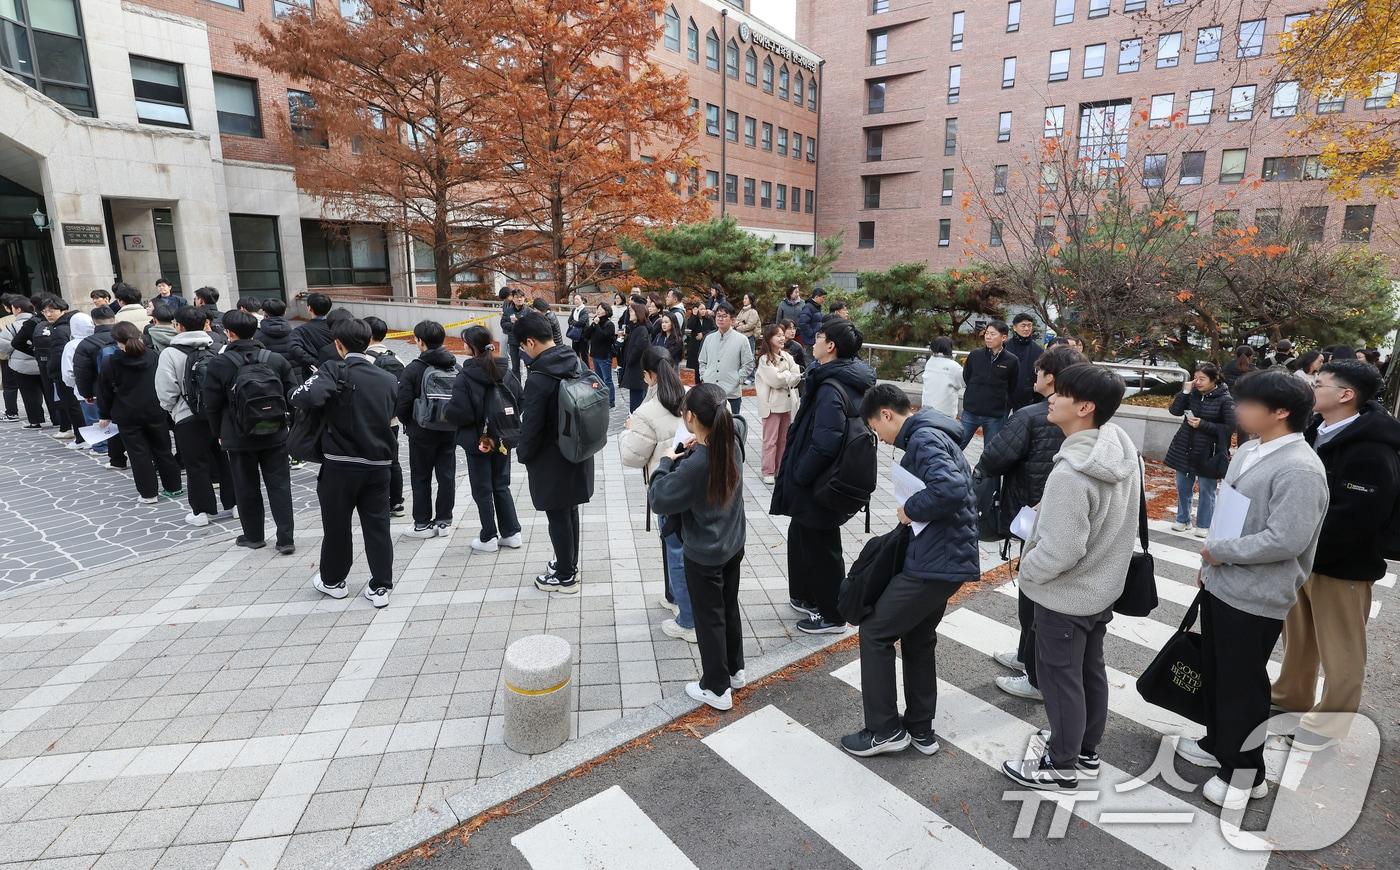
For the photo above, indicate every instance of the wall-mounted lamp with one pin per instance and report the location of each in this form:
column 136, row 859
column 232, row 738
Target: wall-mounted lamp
column 41, row 220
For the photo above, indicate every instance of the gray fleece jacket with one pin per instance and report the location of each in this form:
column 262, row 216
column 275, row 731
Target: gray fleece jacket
column 1077, row 559
column 1262, row 569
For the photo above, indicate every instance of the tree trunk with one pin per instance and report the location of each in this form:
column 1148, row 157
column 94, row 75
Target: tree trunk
column 442, row 253
column 559, row 264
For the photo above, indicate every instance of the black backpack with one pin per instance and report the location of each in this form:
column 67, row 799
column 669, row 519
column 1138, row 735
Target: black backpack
column 192, row 381
column 988, row 492
column 434, row 396
column 256, row 398
column 880, row 559
column 503, row 411
column 845, row 488
column 304, row 440
column 386, row 360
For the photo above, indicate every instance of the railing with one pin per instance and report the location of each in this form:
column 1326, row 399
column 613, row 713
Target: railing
column 906, row 363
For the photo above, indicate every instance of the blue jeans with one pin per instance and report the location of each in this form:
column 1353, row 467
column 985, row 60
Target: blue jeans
column 675, row 573
column 603, row 369
column 1185, row 481
column 90, row 417
column 990, row 427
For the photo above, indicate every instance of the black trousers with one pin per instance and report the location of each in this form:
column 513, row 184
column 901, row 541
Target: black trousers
column 428, row 459
column 1070, row 669
column 1235, row 650
column 564, row 528
column 31, row 391
column 148, row 451
column 816, row 567
column 10, row 388
column 1025, row 646
column 714, row 598
column 72, row 412
column 205, row 463
column 51, row 398
column 396, row 473
column 271, row 465
column 344, row 490
column 908, row 611
column 514, row 348
column 489, row 476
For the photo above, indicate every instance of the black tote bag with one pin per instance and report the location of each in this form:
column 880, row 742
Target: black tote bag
column 1174, row 680
column 1139, row 596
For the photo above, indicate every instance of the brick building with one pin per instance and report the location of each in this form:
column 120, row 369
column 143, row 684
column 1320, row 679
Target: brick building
column 927, row 101
column 138, row 143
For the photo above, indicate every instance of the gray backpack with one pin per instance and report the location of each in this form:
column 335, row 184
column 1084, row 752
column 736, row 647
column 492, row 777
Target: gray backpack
column 434, row 395
column 583, row 415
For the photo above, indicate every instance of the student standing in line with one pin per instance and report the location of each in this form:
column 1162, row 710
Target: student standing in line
column 35, row 338
column 487, row 453
column 747, row 322
column 1023, row 455
column 165, row 292
column 647, row 436
column 23, row 367
column 776, row 380
column 387, row 360
column 245, row 396
column 991, row 375
column 810, row 319
column 557, row 486
column 1073, row 568
column 126, row 395
column 702, row 485
column 698, row 325
column 274, row 332
column 943, row 379
column 937, row 561
column 80, row 328
column 512, row 308
column 791, row 306
column 578, row 321
column 357, row 398
column 634, row 345
column 1200, row 449
column 132, row 311
column 310, row 337
column 726, row 359
column 601, row 335
column 87, row 359
column 161, row 330
column 1251, row 582
column 431, row 452
column 1027, row 350
column 541, row 305
column 11, row 384
column 60, row 319
column 179, row 378
column 1357, row 443
column 668, row 337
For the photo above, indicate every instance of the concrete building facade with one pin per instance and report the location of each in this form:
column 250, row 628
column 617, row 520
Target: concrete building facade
column 138, row 144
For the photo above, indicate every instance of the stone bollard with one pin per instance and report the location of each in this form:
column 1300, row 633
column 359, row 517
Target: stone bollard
column 538, row 673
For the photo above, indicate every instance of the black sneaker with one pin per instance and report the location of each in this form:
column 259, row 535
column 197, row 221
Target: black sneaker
column 33, row 427
column 553, row 583
column 806, row 608
column 286, row 549
column 926, row 741
column 865, row 743
column 819, row 625
column 10, row 418
column 1087, row 763
column 1037, row 773
column 397, row 510
column 252, row 545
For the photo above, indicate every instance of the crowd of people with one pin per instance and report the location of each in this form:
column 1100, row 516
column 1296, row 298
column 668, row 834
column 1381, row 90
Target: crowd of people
column 1302, row 444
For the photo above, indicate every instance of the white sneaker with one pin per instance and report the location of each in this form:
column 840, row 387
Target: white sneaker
column 377, row 597
column 671, row 628
column 77, row 445
column 193, row 519
column 1008, row 659
column 1020, row 687
column 719, row 702
column 428, row 531
column 1201, row 533
column 514, row 541
column 339, row 591
column 1190, row 749
column 669, row 605
column 769, row 479
column 1222, row 794
column 738, row 680
column 62, row 436
column 490, row 546
column 151, row 500
column 1180, row 527
column 230, row 514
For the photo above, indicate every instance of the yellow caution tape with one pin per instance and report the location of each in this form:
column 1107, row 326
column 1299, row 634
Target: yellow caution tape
column 550, row 690
column 408, row 333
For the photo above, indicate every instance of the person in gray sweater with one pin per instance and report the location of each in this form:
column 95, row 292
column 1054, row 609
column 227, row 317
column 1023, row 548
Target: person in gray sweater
column 726, row 358
column 704, row 491
column 1074, row 569
column 1251, row 580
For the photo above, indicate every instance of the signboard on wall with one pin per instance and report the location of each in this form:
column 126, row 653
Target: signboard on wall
column 136, row 242
column 82, row 234
column 748, row 34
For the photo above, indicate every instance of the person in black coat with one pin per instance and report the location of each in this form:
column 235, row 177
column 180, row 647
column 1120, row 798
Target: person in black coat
column 1022, row 454
column 274, row 331
column 59, row 336
column 309, row 339
column 488, row 458
column 126, row 395
column 700, row 323
column 557, row 486
column 810, row 319
column 431, row 452
column 1027, row 350
column 667, row 335
column 578, row 321
column 601, row 334
column 1200, row 449
column 835, row 387
column 991, row 374
column 35, row 338
column 636, row 342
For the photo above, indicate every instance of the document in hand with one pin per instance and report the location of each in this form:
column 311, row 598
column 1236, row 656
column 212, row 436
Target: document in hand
column 1024, row 523
column 1231, row 507
column 905, row 485
column 93, row 435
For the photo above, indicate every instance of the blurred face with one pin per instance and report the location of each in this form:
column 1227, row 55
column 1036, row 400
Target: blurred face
column 1024, row 328
column 794, row 294
column 993, row 338
column 1315, row 365
column 1254, row 417
column 1361, row 355
column 1203, row 382
column 163, row 288
column 723, row 320
column 599, row 312
column 886, row 425
column 1077, row 344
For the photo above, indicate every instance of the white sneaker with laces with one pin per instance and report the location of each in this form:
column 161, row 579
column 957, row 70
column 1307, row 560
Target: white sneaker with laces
column 1020, row 687
column 194, row 519
column 669, row 605
column 1189, row 749
column 377, row 597
column 151, row 500
column 514, row 541
column 671, row 628
column 428, row 531
column 1222, row 794
column 490, row 546
column 1009, row 659
column 719, row 702
column 1201, row 533
column 333, row 591
column 1180, row 527
column 738, row 680
column 769, row 479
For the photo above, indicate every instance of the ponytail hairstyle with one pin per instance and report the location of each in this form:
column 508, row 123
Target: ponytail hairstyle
column 670, row 392
column 769, row 331
column 709, row 405
column 128, row 337
column 483, row 346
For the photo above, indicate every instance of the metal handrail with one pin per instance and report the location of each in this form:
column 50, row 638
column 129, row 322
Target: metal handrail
column 1177, row 372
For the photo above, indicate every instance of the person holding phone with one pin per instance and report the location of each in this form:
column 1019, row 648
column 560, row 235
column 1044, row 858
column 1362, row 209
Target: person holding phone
column 1200, row 449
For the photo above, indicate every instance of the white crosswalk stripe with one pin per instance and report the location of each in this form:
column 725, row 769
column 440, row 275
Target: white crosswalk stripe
column 608, row 831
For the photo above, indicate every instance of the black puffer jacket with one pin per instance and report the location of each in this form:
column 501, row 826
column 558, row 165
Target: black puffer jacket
column 1022, row 455
column 275, row 333
column 600, row 335
column 1363, row 479
column 410, row 385
column 126, row 391
column 947, row 549
column 815, row 437
column 308, row 342
column 85, row 360
column 469, row 399
column 555, row 482
column 58, row 337
column 1193, row 448
column 1026, row 351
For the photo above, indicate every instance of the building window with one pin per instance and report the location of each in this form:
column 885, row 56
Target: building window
column 1383, row 93
column 782, row 141
column 731, row 126
column 999, row 176
column 796, row 200
column 1064, row 11
column 766, row 139
column 1004, row 127
column 811, row 149
column 341, row 255
column 1045, row 232
column 425, row 272
column 809, row 200
column 954, row 83
column 1161, row 113
column 956, row 41
column 1251, row 38
column 1054, row 121
column 1225, row 219
column 878, row 7
column 1285, row 100
column 1098, row 8
column 712, row 119
column 751, row 67
column 1268, row 221
column 865, row 233
column 731, row 188
column 874, row 145
column 783, row 82
column 237, row 102
column 1193, row 167
column 748, row 191
column 796, row 145
column 1199, row 106
column 1292, row 21
column 1232, row 163
column 879, row 47
column 1129, row 55
column 671, row 29
column 1050, row 177
column 1208, row 44
column 1241, row 103
column 712, row 50
column 257, row 255
column 870, row 185
column 1312, row 220
column 781, row 203
column 731, row 59
column 1008, row 72
column 712, row 185
column 945, row 232
column 765, row 194
column 283, row 8
column 300, row 109
column 950, row 137
column 167, row 254
column 160, row 92
column 947, row 195
column 1356, row 223
column 768, row 75
column 1154, row 170
column 1291, row 169
column 750, row 131
column 1059, row 65
column 995, row 238
column 812, row 95
column 1134, row 5
column 1103, row 134
column 692, row 41
column 1093, row 60
column 875, row 98
column 1013, row 16
column 1331, row 101
column 1190, row 221
column 1168, row 50
column 799, row 91
column 42, row 45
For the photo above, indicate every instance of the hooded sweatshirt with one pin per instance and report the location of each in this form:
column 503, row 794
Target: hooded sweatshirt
column 22, row 362
column 170, row 372
column 86, row 359
column 275, row 333
column 80, row 327
column 1077, row 559
column 159, row 335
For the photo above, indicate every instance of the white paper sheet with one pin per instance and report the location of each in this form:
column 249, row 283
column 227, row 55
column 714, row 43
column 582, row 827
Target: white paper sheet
column 1231, row 507
column 93, row 435
column 1024, row 523
column 904, row 485
column 682, row 434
